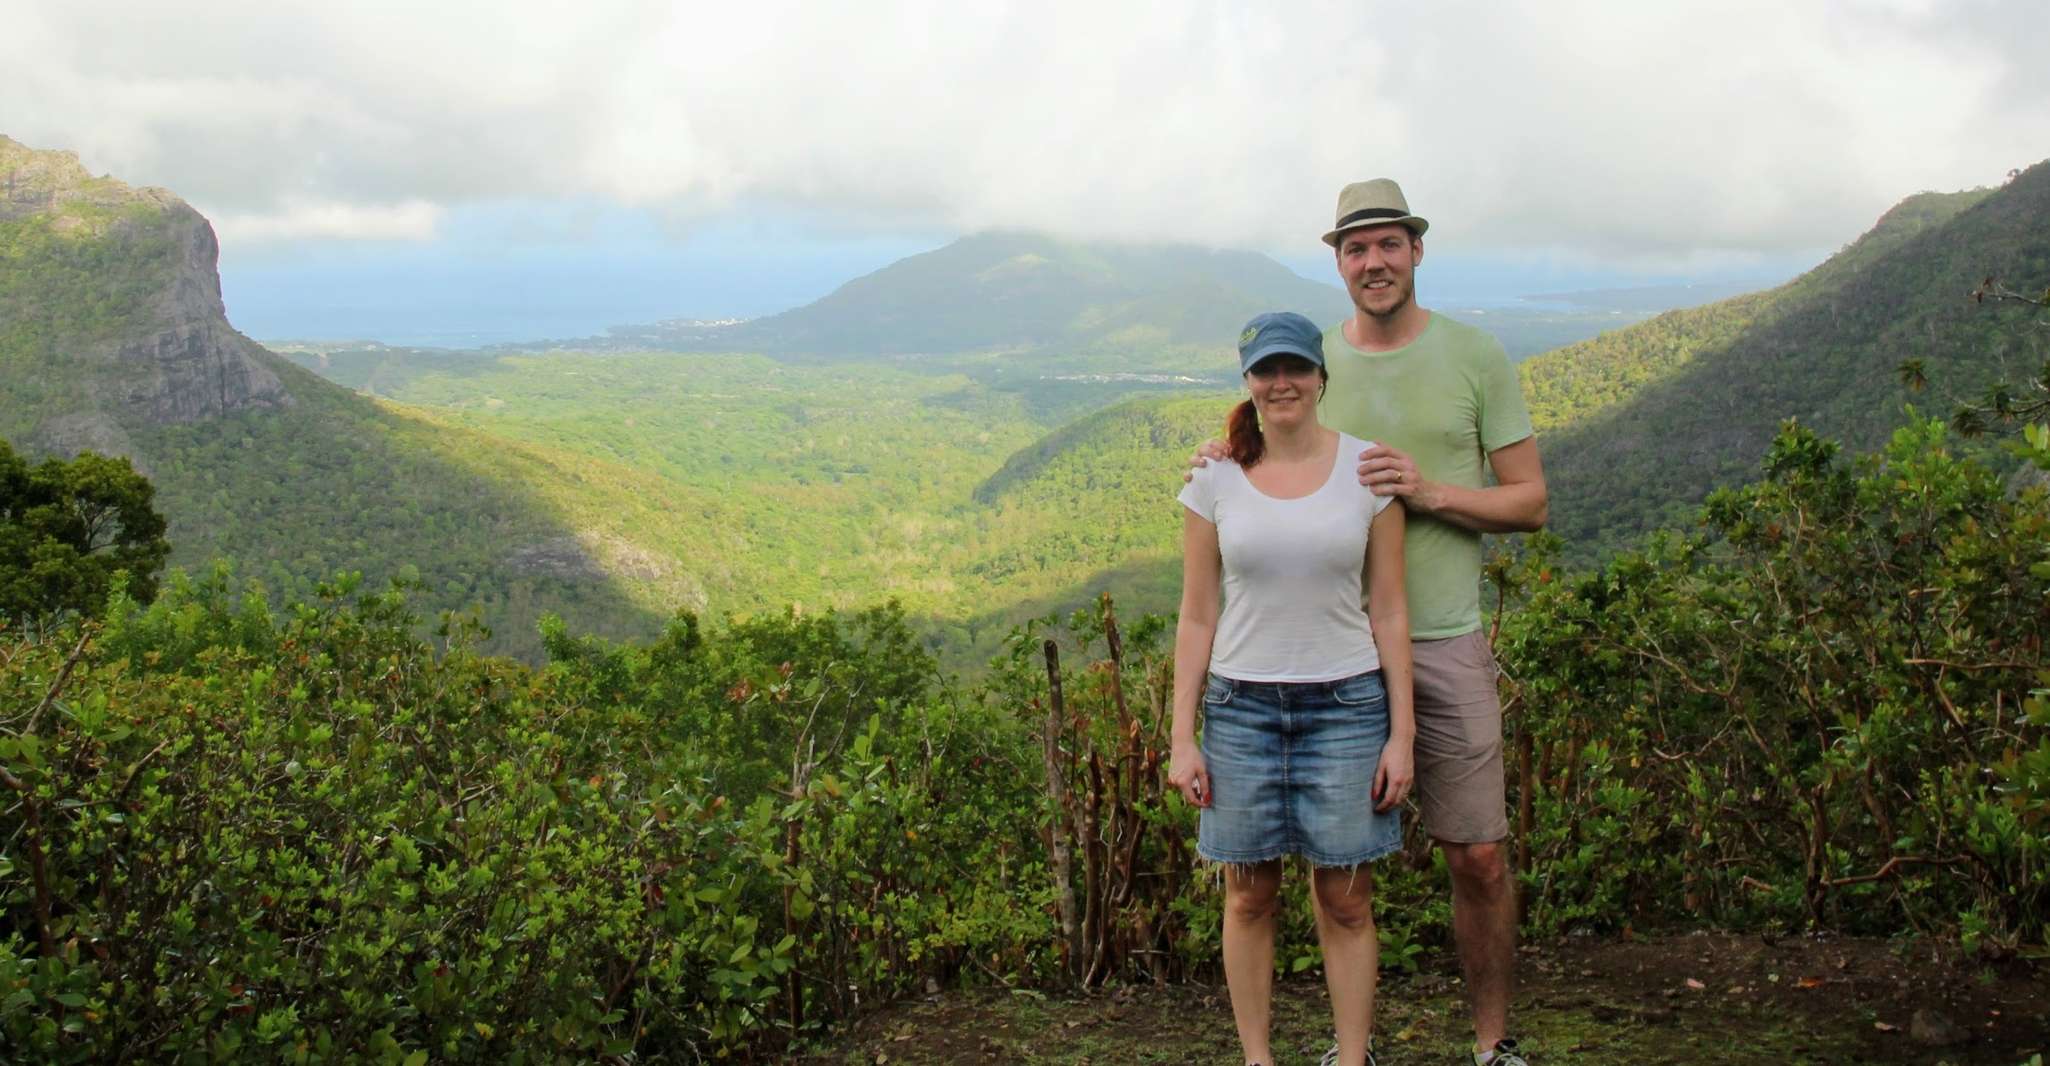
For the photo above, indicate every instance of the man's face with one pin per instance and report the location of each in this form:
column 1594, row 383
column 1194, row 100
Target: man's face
column 1378, row 264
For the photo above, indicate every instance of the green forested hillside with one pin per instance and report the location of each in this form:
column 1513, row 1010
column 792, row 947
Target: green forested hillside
column 1580, row 380
column 1098, row 493
column 1642, row 422
column 113, row 339
column 84, row 263
column 1575, row 382
column 515, row 529
column 834, row 485
column 343, row 483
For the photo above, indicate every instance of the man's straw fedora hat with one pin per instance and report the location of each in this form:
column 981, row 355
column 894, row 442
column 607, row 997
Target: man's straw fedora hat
column 1373, row 203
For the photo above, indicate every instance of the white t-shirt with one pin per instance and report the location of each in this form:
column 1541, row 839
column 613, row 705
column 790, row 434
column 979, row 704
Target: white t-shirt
column 1292, row 573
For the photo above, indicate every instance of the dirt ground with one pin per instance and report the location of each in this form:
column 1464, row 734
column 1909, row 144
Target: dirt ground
column 1630, row 1002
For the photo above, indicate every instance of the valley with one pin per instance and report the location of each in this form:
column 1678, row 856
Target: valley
column 835, row 486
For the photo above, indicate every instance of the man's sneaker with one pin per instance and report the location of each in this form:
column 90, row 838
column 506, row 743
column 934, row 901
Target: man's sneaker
column 1331, row 1057
column 1505, row 1054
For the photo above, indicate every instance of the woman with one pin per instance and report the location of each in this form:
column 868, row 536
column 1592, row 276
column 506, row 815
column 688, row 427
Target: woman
column 1308, row 731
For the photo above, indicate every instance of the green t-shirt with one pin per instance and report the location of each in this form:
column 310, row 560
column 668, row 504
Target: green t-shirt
column 1447, row 398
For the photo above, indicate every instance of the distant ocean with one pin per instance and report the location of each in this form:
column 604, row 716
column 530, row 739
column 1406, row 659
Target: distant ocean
column 440, row 327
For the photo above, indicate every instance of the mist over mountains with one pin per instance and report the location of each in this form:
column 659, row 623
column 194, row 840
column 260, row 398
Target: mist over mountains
column 1010, row 292
column 1017, row 292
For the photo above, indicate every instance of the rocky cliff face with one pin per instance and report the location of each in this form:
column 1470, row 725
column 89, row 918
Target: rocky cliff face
column 172, row 356
column 193, row 364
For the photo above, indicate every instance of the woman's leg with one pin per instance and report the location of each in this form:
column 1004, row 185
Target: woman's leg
column 1352, row 954
column 1250, row 893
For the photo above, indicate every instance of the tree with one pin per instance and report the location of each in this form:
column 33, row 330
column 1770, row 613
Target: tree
column 67, row 527
column 2004, row 403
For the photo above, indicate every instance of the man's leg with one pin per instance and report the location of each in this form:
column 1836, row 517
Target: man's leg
column 1484, row 925
column 1352, row 952
column 1250, row 894
column 1461, row 793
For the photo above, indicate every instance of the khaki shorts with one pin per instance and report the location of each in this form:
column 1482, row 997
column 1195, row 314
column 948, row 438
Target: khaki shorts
column 1459, row 783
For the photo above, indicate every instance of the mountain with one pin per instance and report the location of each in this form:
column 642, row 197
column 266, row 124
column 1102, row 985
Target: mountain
column 113, row 339
column 110, row 310
column 1011, row 291
column 1639, row 424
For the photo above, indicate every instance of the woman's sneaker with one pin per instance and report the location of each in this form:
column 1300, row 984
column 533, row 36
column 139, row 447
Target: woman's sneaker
column 1505, row 1054
column 1331, row 1057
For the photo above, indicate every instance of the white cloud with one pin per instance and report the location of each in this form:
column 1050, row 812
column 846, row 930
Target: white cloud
column 1679, row 129
column 412, row 220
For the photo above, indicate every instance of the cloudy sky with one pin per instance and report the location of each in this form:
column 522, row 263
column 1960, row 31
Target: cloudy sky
column 449, row 164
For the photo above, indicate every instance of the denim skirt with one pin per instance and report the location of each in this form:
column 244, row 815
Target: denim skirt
column 1292, row 771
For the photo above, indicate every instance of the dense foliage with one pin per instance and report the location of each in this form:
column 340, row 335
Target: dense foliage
column 1816, row 710
column 315, row 836
column 67, row 528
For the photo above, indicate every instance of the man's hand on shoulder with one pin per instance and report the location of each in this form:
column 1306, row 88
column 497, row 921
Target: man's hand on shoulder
column 1211, row 449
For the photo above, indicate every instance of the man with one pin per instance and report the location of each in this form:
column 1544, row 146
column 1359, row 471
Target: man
column 1438, row 398
column 1443, row 407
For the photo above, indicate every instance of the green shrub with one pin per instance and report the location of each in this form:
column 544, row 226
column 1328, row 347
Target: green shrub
column 316, row 839
column 1812, row 712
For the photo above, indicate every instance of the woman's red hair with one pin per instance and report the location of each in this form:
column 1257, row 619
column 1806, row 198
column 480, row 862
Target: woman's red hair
column 1242, row 439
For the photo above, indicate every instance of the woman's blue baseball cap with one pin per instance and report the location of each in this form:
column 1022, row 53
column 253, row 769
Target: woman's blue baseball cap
column 1280, row 333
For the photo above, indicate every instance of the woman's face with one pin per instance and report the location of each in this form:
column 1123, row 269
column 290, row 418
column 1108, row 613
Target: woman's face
column 1285, row 389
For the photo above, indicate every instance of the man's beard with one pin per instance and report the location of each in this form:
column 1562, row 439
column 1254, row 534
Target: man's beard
column 1408, row 296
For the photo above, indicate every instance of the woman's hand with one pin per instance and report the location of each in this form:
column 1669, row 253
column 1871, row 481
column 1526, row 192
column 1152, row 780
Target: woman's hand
column 1395, row 775
column 1186, row 771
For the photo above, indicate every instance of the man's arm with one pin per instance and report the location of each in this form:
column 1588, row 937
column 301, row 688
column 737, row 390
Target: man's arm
column 1516, row 503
